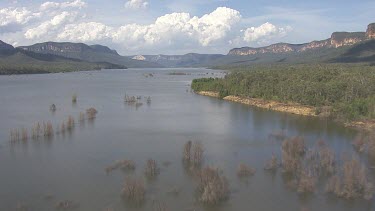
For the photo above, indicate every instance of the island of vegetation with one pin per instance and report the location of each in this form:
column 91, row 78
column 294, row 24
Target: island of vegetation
column 344, row 92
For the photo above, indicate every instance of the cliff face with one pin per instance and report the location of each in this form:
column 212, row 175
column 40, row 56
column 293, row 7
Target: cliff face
column 370, row 33
column 338, row 39
column 62, row 48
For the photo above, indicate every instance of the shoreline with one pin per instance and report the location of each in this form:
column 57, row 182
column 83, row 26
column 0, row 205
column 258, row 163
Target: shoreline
column 292, row 108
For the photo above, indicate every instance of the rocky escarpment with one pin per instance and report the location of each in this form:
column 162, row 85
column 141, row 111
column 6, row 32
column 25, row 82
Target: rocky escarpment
column 370, row 33
column 66, row 47
column 337, row 39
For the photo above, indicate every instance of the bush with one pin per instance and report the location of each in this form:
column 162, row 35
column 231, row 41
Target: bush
column 272, row 164
column 354, row 182
column 213, row 187
column 134, row 190
column 151, row 169
column 293, row 150
column 245, row 171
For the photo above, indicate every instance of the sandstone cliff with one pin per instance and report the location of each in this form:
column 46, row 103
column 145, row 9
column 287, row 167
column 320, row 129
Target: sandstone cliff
column 337, row 39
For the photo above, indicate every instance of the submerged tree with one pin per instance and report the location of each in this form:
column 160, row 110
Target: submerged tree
column 213, row 187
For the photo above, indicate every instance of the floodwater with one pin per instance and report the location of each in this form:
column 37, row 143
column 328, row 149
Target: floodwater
column 39, row 174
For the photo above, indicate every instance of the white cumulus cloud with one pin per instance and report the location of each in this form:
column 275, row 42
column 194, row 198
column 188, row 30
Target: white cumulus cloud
column 167, row 30
column 51, row 26
column 84, row 32
column 15, row 16
column 264, row 31
column 68, row 4
column 136, row 4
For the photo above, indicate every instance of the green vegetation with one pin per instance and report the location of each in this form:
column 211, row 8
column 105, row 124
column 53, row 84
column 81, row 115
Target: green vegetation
column 347, row 90
column 21, row 64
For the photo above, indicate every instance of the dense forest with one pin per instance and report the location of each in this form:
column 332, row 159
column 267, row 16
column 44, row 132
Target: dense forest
column 347, row 90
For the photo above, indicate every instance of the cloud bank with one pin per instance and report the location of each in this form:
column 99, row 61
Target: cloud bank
column 178, row 32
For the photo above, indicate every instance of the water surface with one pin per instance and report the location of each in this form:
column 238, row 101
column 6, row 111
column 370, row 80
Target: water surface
column 72, row 167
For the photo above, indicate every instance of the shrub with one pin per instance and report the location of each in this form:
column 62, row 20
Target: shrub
column 354, row 182
column 187, row 151
column 81, row 118
column 292, row 154
column 14, row 135
column 327, row 160
column 24, row 135
column 272, row 164
column 151, row 169
column 74, row 99
column 91, row 113
column 371, row 145
column 66, row 205
column 213, row 187
column 197, row 155
column 359, row 143
column 126, row 165
column 70, row 124
column 306, row 183
column 36, row 131
column 47, row 129
column 52, row 108
column 245, row 171
column 134, row 190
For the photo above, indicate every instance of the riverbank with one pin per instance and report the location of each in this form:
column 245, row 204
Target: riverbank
column 292, row 108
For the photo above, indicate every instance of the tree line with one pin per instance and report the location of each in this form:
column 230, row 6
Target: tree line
column 347, row 89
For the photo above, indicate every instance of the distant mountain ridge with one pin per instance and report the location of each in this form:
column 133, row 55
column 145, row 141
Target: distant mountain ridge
column 337, row 39
column 88, row 53
column 186, row 60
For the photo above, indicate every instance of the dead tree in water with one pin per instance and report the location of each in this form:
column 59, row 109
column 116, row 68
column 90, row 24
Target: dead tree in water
column 187, row 151
column 213, row 187
column 91, row 113
column 151, row 169
column 245, row 171
column 36, row 131
column 134, row 190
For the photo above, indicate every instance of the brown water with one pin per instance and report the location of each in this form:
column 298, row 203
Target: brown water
column 72, row 167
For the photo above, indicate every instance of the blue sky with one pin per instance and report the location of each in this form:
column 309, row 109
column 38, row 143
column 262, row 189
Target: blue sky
column 178, row 27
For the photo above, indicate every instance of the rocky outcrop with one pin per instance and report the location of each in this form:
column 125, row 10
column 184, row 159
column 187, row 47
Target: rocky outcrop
column 139, row 58
column 370, row 33
column 338, row 39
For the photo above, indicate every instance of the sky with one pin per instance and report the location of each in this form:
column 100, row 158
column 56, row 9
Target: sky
column 135, row 27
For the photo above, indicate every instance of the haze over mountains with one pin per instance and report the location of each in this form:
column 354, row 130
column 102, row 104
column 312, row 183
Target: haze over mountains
column 66, row 56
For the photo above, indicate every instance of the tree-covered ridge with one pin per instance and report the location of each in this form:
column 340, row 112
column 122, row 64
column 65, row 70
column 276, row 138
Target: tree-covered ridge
column 348, row 89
